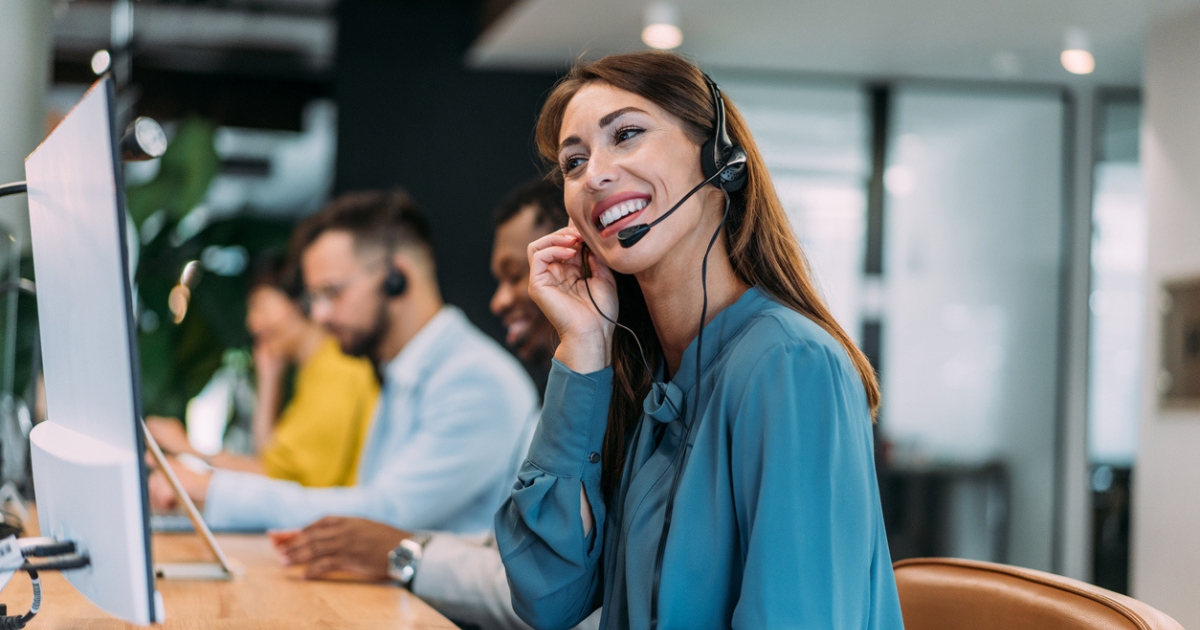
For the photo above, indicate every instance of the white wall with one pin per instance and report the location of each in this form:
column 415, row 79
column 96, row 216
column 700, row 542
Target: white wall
column 1166, row 517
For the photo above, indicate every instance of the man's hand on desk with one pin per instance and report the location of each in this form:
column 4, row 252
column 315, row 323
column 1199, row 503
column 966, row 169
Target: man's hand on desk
column 336, row 544
column 162, row 495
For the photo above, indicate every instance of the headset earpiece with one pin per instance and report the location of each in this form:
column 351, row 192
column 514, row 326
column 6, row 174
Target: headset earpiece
column 720, row 151
column 395, row 283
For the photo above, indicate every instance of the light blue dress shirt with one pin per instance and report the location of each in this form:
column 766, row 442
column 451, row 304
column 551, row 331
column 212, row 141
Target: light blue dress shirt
column 776, row 524
column 453, row 421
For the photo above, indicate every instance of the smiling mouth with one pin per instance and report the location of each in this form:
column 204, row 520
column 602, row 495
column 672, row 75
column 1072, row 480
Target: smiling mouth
column 620, row 211
column 516, row 331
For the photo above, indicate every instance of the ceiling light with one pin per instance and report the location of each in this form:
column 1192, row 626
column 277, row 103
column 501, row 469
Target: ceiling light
column 101, row 61
column 662, row 26
column 1076, row 55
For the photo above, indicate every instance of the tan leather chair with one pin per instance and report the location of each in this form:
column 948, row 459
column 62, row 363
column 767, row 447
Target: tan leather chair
column 951, row 594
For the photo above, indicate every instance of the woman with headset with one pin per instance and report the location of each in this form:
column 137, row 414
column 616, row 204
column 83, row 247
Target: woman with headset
column 704, row 457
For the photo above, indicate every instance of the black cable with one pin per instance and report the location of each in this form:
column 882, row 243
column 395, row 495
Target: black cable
column 681, row 455
column 59, row 563
column 45, row 548
column 16, row 622
column 37, row 597
column 14, row 188
column 627, row 329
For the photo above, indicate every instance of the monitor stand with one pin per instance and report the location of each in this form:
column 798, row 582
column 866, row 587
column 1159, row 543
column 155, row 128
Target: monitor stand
column 219, row 570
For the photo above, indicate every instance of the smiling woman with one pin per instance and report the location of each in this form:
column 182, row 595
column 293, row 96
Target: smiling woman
column 754, row 429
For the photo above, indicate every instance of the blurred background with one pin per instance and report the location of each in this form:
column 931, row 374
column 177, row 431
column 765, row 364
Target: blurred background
column 994, row 197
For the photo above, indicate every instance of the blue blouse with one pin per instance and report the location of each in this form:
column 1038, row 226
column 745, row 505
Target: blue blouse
column 776, row 524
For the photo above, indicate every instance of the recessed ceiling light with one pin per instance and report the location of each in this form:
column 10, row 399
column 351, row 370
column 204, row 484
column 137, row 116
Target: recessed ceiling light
column 1077, row 55
column 662, row 26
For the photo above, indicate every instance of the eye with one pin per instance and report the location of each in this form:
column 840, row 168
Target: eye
column 571, row 163
column 626, row 133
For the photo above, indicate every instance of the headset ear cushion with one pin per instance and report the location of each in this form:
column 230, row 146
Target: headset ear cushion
column 395, row 283
column 708, row 159
column 734, row 177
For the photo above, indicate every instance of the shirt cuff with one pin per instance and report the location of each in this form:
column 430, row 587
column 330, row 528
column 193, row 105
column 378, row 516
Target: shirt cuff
column 446, row 559
column 230, row 501
column 568, row 440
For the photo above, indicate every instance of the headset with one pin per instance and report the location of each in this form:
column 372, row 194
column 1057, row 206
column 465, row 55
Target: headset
column 395, row 283
column 724, row 165
column 722, row 161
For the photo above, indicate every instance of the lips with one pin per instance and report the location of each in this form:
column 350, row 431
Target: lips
column 516, row 331
column 617, row 209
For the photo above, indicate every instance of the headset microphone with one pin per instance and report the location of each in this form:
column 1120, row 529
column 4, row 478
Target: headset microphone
column 629, row 236
column 721, row 160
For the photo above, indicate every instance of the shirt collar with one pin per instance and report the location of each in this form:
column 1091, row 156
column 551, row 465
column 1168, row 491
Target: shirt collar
column 406, row 367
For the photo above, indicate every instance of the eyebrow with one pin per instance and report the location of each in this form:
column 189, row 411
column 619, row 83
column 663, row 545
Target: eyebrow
column 607, row 120
column 604, row 122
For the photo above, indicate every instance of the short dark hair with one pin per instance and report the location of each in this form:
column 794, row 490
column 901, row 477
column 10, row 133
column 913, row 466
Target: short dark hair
column 544, row 194
column 273, row 269
column 388, row 219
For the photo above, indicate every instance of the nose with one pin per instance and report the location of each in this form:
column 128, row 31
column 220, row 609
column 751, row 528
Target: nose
column 601, row 170
column 501, row 299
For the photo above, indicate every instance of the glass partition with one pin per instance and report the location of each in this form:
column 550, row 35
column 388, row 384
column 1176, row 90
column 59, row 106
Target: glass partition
column 973, row 260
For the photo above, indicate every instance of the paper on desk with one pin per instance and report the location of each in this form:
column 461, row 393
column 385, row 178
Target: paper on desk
column 10, row 559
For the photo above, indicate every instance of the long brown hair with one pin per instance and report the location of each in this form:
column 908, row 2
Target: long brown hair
column 762, row 248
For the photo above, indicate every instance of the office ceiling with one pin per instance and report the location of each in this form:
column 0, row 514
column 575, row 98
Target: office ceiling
column 1016, row 40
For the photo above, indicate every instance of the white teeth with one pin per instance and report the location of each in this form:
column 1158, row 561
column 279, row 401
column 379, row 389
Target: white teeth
column 614, row 214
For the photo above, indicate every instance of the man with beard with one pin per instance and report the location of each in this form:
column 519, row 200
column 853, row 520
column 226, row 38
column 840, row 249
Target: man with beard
column 461, row 576
column 455, row 413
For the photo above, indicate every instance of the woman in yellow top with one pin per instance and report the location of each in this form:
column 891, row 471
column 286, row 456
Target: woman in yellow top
column 317, row 438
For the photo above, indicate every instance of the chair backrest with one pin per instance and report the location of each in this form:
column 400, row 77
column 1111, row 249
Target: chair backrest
column 952, row 594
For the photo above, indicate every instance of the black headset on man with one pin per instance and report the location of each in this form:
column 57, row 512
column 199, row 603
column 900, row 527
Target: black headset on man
column 723, row 163
column 395, row 283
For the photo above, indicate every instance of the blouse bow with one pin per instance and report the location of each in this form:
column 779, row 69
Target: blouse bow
column 664, row 403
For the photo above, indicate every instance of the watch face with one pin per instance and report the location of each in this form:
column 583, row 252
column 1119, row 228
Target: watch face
column 403, row 561
column 396, row 563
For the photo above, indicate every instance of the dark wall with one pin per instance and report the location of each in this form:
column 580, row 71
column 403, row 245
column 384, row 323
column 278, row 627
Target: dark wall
column 411, row 114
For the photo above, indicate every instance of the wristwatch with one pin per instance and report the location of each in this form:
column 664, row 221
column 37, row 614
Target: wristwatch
column 404, row 560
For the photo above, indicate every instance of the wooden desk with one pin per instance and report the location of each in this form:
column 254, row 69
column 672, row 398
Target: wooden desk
column 265, row 596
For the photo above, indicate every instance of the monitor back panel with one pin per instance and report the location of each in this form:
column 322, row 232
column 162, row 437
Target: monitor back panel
column 77, row 226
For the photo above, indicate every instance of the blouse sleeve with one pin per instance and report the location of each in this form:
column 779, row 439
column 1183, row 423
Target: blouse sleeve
column 553, row 568
column 804, row 492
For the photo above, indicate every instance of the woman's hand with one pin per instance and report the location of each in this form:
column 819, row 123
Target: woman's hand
column 557, row 286
column 170, row 435
column 269, row 365
column 269, row 369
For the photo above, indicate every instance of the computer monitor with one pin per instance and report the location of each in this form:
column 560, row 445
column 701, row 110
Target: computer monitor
column 88, row 468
